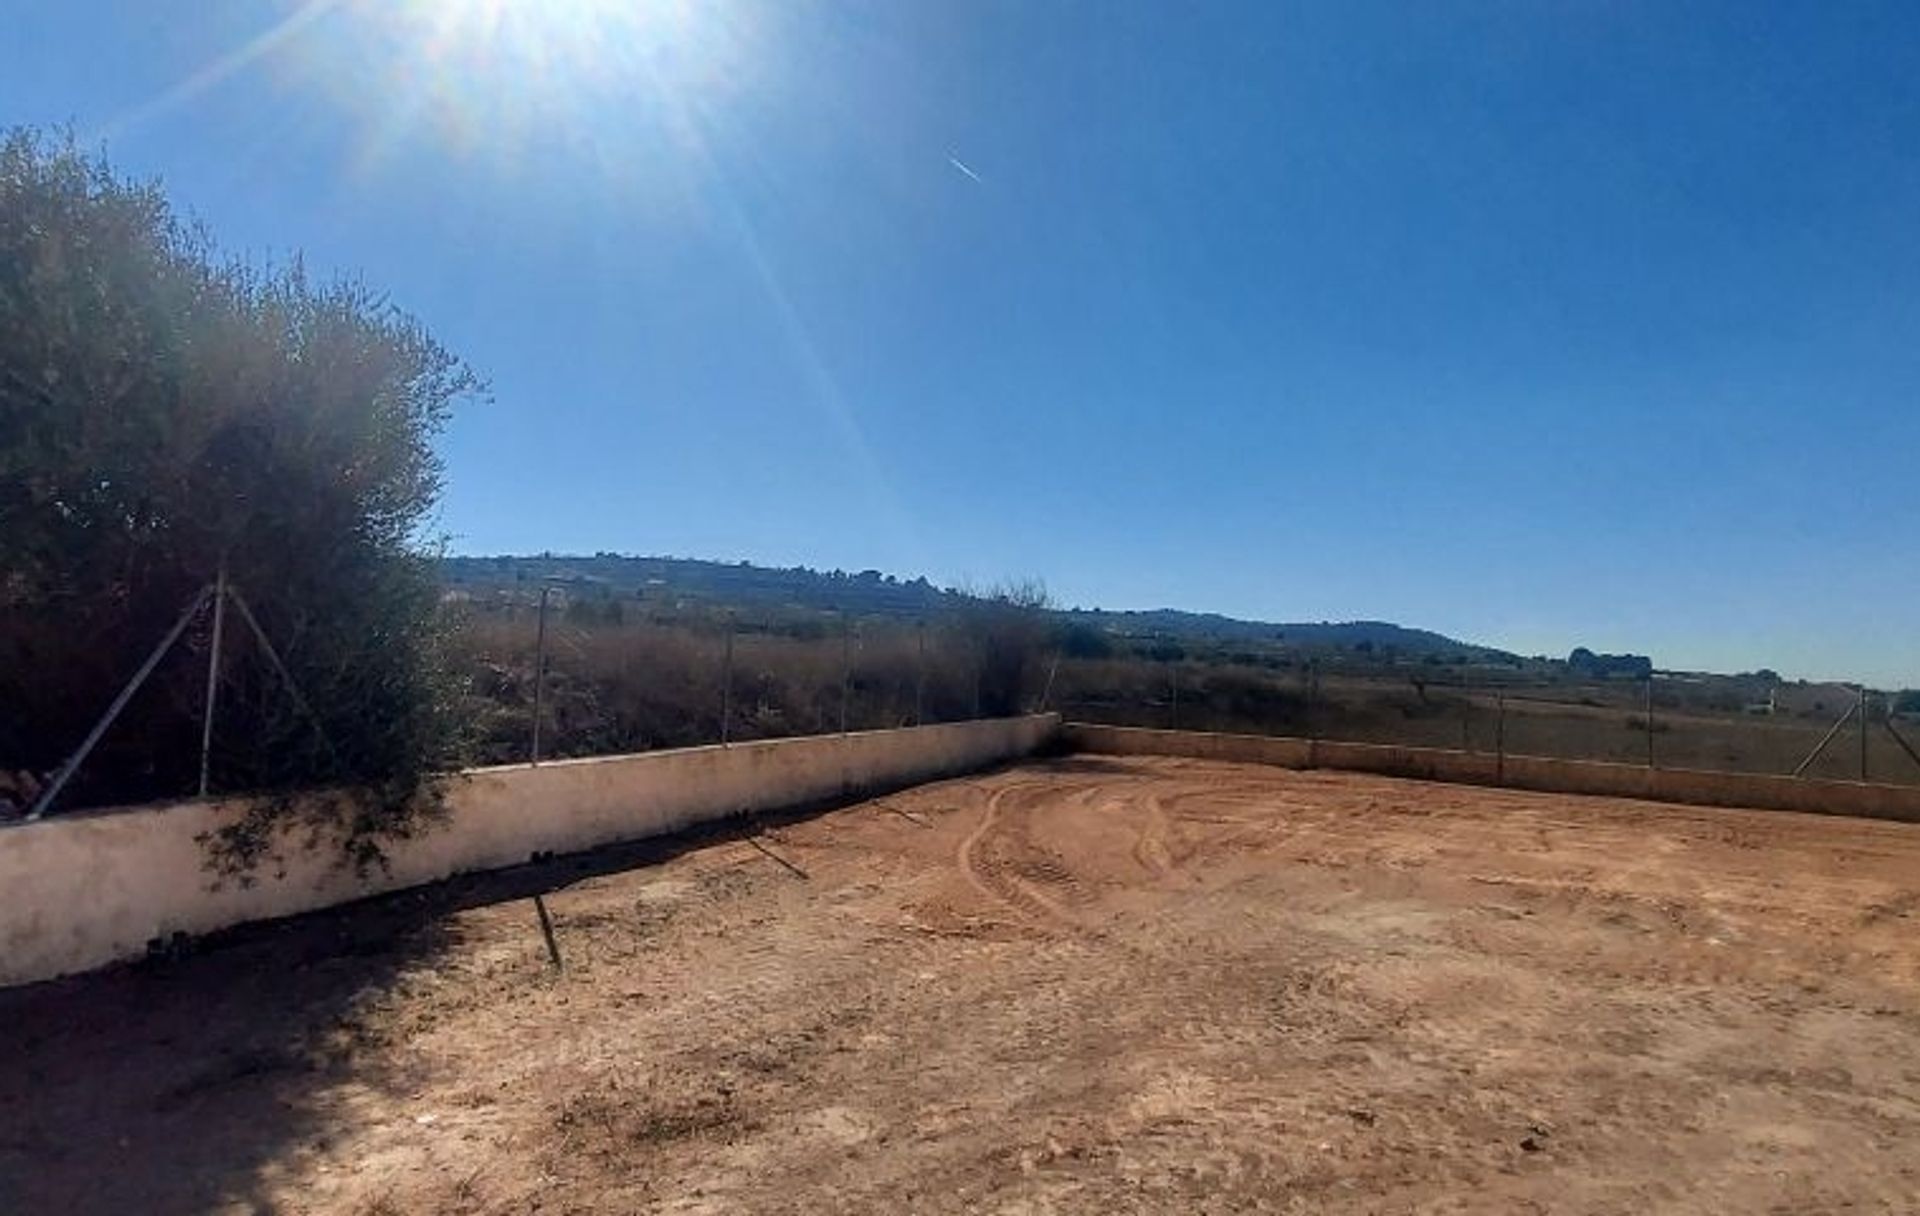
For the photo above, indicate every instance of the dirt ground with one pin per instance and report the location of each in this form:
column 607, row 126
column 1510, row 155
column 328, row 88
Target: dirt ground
column 1086, row 985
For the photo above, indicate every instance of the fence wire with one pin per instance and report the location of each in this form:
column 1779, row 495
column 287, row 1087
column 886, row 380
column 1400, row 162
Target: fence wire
column 1674, row 720
column 552, row 673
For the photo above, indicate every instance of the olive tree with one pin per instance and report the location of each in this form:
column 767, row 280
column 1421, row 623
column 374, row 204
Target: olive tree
column 167, row 413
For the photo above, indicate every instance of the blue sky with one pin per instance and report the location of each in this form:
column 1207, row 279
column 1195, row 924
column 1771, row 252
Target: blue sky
column 1542, row 325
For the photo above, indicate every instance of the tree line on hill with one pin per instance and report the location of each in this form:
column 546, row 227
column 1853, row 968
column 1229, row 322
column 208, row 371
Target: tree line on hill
column 604, row 577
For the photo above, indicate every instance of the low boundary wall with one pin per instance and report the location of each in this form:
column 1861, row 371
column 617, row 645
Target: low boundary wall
column 1545, row 774
column 87, row 889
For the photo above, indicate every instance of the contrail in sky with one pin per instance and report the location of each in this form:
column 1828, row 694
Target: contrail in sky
column 958, row 164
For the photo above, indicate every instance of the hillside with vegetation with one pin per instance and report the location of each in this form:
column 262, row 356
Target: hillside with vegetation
column 685, row 583
column 649, row 652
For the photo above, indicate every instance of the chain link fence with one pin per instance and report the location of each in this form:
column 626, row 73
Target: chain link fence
column 1672, row 720
column 546, row 672
column 549, row 672
column 553, row 673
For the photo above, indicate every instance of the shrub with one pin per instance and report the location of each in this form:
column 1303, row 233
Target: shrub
column 1080, row 641
column 165, row 413
column 1005, row 630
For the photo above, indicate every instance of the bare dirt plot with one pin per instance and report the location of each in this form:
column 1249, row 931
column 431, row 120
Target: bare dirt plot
column 1090, row 985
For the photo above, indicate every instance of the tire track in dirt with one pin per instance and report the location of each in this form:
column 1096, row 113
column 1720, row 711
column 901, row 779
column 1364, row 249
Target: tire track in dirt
column 1160, row 848
column 1345, row 993
column 1213, row 821
column 1001, row 861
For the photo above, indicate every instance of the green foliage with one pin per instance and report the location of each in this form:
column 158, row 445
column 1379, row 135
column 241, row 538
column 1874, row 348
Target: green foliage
column 164, row 412
column 1005, row 629
column 595, row 610
column 1078, row 641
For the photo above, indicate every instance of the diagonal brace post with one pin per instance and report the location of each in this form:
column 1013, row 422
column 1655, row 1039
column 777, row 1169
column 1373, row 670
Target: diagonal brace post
column 279, row 666
column 1831, row 732
column 1901, row 740
column 80, row 754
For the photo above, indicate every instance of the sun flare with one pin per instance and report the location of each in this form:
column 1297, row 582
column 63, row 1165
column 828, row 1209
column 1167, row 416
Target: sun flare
column 513, row 79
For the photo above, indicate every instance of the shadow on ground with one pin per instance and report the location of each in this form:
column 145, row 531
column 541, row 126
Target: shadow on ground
column 173, row 1085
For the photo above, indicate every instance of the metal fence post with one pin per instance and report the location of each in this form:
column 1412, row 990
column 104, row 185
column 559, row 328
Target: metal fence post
column 846, row 667
column 1649, row 720
column 1500, row 738
column 979, row 675
column 1832, row 733
column 726, row 688
column 73, row 762
column 280, row 668
column 1046, row 693
column 920, row 680
column 1863, row 733
column 1313, row 714
column 1899, row 738
column 213, row 676
column 539, row 671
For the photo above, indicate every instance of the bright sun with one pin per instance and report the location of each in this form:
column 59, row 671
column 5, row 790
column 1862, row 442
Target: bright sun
column 509, row 78
column 554, row 37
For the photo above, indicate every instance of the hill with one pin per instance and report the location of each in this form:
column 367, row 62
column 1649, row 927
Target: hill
column 1381, row 637
column 690, row 583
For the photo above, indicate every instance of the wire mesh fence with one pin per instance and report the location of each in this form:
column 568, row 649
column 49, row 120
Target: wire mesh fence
column 549, row 672
column 1672, row 720
column 597, row 678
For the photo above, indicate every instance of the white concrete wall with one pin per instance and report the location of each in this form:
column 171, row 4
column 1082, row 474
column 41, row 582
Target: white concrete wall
column 84, row 890
column 1756, row 790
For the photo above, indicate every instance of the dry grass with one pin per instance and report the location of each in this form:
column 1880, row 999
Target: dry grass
column 639, row 685
column 643, row 685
